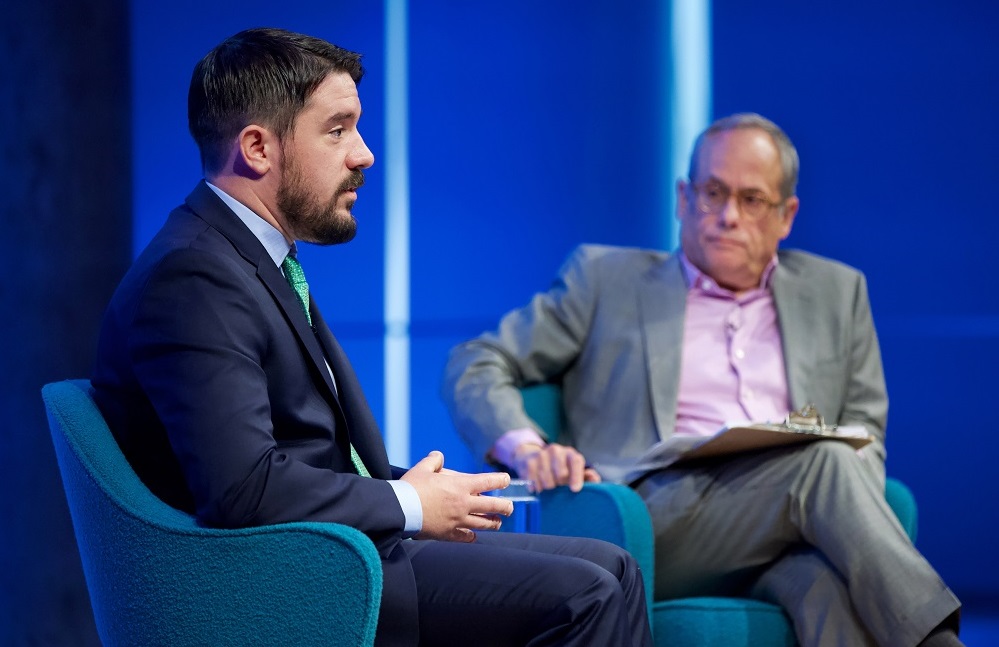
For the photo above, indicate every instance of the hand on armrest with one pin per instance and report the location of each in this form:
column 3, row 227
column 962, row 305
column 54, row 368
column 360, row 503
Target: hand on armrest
column 553, row 465
column 548, row 465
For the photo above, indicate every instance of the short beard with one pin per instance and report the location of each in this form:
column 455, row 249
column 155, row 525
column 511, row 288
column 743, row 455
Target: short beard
column 308, row 219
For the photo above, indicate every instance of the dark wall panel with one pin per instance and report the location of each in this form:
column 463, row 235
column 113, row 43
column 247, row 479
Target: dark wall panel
column 66, row 217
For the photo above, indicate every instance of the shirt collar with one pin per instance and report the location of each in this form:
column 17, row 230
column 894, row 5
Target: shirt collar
column 268, row 235
column 696, row 279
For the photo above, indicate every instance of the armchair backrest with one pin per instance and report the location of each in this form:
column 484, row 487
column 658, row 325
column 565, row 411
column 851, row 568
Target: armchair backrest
column 157, row 578
column 543, row 403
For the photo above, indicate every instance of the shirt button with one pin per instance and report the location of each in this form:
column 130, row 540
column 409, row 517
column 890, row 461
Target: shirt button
column 739, row 353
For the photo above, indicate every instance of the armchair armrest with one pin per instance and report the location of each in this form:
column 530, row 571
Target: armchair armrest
column 158, row 578
column 902, row 501
column 608, row 511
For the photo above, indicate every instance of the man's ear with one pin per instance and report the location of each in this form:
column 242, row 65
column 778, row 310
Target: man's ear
column 681, row 199
column 790, row 211
column 257, row 149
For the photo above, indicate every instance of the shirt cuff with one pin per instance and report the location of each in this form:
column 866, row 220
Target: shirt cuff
column 505, row 448
column 412, row 508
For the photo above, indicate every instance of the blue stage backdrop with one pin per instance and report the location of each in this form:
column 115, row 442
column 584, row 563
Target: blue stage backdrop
column 536, row 126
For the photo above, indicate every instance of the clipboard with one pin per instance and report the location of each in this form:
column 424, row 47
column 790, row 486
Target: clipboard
column 802, row 426
column 742, row 438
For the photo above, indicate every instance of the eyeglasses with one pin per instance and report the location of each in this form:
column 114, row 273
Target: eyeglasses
column 711, row 198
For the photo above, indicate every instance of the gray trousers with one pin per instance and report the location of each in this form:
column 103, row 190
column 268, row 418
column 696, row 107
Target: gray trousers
column 805, row 527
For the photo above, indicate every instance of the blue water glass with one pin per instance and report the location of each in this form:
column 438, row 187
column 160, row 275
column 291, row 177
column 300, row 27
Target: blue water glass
column 526, row 515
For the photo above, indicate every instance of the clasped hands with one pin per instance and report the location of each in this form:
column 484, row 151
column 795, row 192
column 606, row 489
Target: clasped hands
column 452, row 507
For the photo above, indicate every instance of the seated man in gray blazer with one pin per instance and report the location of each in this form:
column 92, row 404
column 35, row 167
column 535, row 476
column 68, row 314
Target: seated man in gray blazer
column 649, row 345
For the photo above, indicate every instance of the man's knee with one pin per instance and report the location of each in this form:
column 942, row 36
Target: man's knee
column 834, row 466
column 602, row 590
column 617, row 560
column 831, row 456
column 831, row 450
column 610, row 557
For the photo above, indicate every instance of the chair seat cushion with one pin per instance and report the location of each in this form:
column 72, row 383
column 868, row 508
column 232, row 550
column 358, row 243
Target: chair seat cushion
column 720, row 622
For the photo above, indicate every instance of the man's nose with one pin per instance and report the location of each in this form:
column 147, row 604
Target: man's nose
column 361, row 157
column 730, row 212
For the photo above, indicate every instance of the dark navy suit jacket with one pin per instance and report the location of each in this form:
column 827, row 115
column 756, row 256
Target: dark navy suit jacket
column 217, row 390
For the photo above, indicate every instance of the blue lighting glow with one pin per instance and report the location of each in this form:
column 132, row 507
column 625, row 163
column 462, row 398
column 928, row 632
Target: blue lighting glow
column 397, row 408
column 689, row 95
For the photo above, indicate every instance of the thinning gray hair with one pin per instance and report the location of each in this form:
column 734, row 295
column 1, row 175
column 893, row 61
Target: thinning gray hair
column 785, row 149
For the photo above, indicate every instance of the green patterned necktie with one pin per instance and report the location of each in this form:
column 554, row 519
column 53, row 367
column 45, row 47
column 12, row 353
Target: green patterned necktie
column 296, row 277
column 293, row 272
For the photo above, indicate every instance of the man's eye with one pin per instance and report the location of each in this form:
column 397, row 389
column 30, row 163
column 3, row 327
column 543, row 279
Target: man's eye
column 714, row 192
column 752, row 200
column 337, row 132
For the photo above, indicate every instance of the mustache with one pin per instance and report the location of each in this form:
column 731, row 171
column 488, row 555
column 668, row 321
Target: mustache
column 354, row 181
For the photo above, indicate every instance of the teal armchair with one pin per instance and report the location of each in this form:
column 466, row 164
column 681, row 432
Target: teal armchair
column 156, row 577
column 615, row 513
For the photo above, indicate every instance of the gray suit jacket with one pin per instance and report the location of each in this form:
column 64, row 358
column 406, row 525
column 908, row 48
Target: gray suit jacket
column 610, row 331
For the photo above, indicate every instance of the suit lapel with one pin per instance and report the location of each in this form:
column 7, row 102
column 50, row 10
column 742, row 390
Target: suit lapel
column 208, row 206
column 361, row 424
column 662, row 301
column 347, row 401
column 796, row 318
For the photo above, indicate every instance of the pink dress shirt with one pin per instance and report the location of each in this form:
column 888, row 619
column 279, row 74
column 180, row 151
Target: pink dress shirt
column 733, row 363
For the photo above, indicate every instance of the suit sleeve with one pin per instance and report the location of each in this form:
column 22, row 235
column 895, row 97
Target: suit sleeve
column 866, row 400
column 533, row 344
column 198, row 342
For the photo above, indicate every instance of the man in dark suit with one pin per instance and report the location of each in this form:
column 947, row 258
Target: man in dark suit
column 233, row 401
